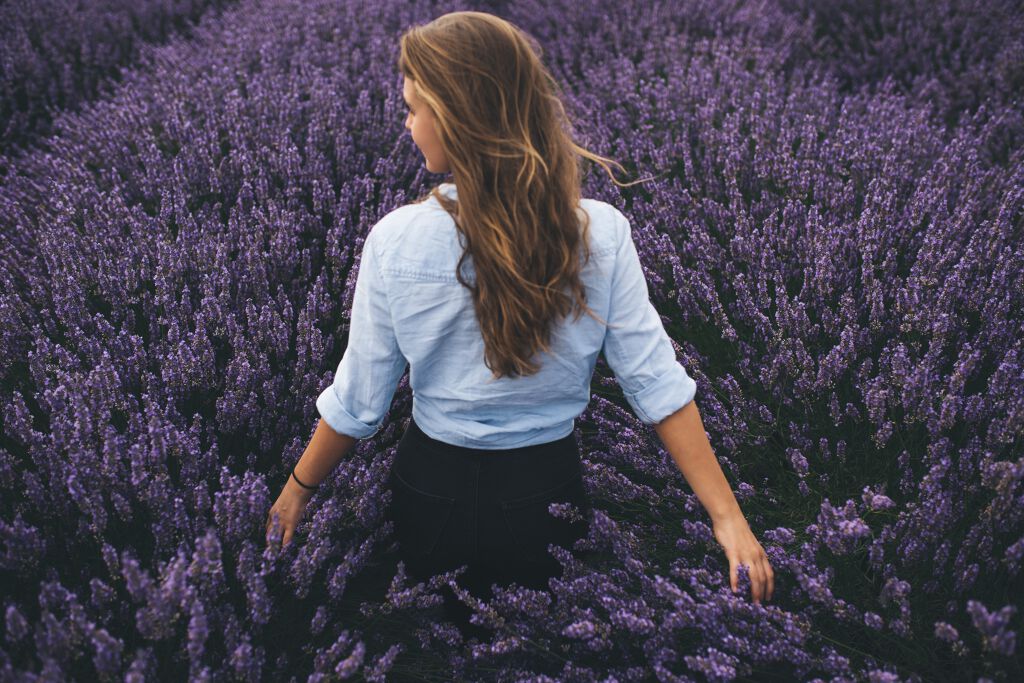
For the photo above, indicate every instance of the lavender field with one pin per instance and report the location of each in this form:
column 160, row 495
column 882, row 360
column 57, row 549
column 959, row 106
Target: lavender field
column 834, row 236
column 57, row 55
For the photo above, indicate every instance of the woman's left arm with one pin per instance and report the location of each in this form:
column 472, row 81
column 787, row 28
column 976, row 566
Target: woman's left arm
column 353, row 406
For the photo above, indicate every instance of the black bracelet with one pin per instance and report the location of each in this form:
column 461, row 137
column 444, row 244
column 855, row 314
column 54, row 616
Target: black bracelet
column 311, row 488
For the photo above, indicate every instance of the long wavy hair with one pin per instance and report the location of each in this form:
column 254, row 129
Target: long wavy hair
column 509, row 144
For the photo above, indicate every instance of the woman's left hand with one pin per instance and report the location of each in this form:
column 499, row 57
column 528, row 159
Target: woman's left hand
column 736, row 538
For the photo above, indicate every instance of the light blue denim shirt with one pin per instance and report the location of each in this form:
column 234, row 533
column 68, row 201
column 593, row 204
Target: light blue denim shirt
column 408, row 308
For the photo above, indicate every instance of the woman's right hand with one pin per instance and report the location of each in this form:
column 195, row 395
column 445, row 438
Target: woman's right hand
column 289, row 507
column 741, row 547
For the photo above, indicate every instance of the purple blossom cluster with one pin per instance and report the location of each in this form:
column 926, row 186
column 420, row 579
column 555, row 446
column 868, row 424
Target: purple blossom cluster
column 56, row 55
column 833, row 235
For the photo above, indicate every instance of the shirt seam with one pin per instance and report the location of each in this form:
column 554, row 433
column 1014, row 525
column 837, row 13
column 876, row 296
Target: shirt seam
column 517, row 444
column 374, row 254
column 419, row 274
column 450, row 277
column 615, row 270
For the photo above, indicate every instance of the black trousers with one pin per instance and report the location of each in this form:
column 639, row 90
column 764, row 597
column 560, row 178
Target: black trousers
column 453, row 505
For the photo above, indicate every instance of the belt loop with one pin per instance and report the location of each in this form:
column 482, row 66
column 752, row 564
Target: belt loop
column 476, row 515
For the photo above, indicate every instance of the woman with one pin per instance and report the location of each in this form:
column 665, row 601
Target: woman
column 472, row 286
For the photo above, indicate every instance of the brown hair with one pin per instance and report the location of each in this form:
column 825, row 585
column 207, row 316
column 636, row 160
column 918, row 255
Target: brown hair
column 509, row 144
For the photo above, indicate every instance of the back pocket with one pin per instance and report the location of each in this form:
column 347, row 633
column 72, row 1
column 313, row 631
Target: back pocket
column 419, row 517
column 533, row 527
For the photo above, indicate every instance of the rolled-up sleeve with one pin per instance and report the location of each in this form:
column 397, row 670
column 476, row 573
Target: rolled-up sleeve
column 364, row 384
column 636, row 345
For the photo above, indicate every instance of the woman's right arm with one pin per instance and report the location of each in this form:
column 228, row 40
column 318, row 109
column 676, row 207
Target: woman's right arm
column 684, row 437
